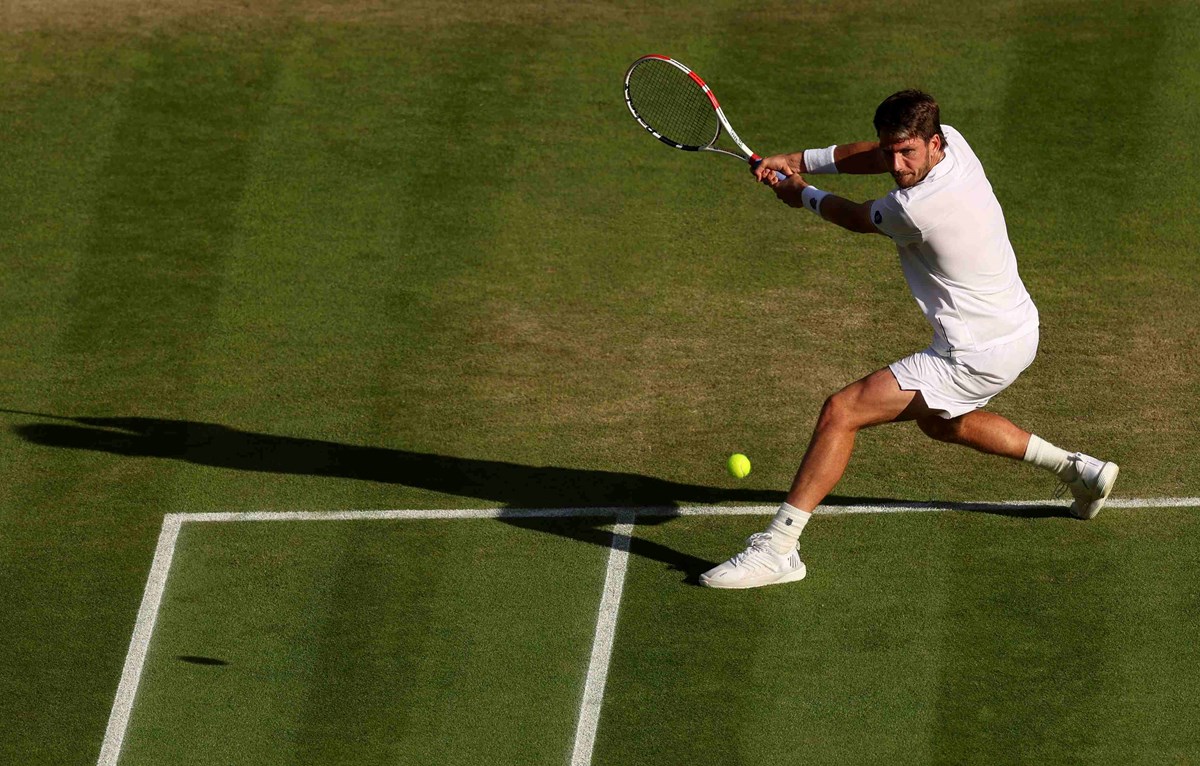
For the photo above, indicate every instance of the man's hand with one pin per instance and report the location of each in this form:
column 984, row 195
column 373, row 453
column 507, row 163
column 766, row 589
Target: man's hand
column 787, row 190
column 788, row 164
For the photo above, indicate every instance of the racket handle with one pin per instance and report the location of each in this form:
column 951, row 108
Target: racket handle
column 755, row 161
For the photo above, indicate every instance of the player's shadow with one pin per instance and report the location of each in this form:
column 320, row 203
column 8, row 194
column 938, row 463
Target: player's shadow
column 511, row 485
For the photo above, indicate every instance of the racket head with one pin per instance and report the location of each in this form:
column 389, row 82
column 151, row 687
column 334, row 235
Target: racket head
column 672, row 103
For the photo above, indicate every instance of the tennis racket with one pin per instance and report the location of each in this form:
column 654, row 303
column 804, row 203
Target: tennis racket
column 679, row 109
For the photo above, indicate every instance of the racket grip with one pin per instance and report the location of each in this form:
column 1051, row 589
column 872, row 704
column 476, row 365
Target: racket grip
column 755, row 161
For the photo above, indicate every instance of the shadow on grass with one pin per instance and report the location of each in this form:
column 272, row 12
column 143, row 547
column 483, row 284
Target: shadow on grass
column 511, row 485
column 192, row 659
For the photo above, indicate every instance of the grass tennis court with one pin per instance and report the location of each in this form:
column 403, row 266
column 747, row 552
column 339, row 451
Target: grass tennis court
column 326, row 653
column 355, row 639
column 371, row 255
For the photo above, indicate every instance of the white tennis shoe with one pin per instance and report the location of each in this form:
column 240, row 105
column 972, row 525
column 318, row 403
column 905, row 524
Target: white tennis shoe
column 1094, row 480
column 756, row 566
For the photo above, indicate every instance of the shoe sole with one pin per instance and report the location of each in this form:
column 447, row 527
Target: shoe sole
column 794, row 576
column 1105, row 483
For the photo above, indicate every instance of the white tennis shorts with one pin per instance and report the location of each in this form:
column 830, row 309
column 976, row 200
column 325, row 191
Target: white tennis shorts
column 956, row 386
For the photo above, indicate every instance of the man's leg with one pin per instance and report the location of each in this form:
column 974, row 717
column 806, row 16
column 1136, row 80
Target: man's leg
column 771, row 557
column 1089, row 479
column 871, row 401
column 984, row 431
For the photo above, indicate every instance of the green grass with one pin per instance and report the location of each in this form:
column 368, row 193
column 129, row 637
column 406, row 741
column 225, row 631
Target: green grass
column 373, row 642
column 955, row 638
column 416, row 255
column 367, row 642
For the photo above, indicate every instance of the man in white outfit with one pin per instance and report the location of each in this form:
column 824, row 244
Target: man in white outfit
column 954, row 250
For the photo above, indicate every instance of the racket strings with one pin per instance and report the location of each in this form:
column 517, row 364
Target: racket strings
column 672, row 104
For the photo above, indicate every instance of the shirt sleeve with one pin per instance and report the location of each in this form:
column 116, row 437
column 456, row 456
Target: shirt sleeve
column 889, row 216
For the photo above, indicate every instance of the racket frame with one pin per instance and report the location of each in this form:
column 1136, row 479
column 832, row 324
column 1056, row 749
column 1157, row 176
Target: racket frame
column 723, row 122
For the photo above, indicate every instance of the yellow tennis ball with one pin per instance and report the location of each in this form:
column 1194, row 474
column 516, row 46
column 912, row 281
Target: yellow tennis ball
column 738, row 465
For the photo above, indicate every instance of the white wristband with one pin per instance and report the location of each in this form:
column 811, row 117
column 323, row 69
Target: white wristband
column 820, row 160
column 811, row 197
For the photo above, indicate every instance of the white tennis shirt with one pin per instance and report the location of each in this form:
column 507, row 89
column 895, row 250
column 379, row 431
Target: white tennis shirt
column 953, row 243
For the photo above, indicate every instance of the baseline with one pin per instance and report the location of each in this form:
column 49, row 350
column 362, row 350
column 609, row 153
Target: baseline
column 659, row 511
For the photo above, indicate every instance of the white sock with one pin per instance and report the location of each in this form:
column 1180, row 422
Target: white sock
column 1043, row 454
column 786, row 527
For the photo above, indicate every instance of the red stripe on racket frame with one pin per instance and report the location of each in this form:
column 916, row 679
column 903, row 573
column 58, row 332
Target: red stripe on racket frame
column 704, row 87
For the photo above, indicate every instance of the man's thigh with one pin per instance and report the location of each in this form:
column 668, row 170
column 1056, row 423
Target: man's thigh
column 878, row 399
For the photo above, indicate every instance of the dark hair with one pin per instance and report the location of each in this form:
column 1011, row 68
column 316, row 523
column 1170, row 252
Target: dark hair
column 907, row 114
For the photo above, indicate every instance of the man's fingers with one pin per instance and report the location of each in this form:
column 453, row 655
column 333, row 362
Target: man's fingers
column 768, row 169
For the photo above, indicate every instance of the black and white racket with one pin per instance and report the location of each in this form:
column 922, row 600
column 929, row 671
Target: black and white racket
column 679, row 109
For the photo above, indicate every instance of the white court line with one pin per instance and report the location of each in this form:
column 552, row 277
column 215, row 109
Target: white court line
column 156, row 584
column 659, row 511
column 139, row 644
column 602, row 643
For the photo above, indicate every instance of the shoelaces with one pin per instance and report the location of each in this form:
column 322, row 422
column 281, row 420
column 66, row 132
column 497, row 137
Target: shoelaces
column 1075, row 460
column 755, row 543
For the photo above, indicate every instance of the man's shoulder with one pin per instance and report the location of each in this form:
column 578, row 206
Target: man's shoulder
column 959, row 150
column 917, row 208
column 890, row 215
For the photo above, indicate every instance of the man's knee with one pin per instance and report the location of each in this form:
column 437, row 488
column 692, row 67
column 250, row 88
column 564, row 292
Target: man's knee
column 837, row 412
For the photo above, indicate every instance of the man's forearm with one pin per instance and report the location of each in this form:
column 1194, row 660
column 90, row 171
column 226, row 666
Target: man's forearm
column 859, row 158
column 853, row 216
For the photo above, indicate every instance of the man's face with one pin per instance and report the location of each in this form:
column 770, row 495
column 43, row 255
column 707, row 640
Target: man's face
column 910, row 160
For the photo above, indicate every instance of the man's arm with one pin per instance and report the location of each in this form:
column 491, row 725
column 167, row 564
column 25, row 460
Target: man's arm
column 858, row 158
column 852, row 216
column 861, row 157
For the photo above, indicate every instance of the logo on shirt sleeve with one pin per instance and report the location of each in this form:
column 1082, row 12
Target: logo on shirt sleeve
column 812, row 202
column 878, row 217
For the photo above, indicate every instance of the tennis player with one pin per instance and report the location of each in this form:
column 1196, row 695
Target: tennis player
column 954, row 250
